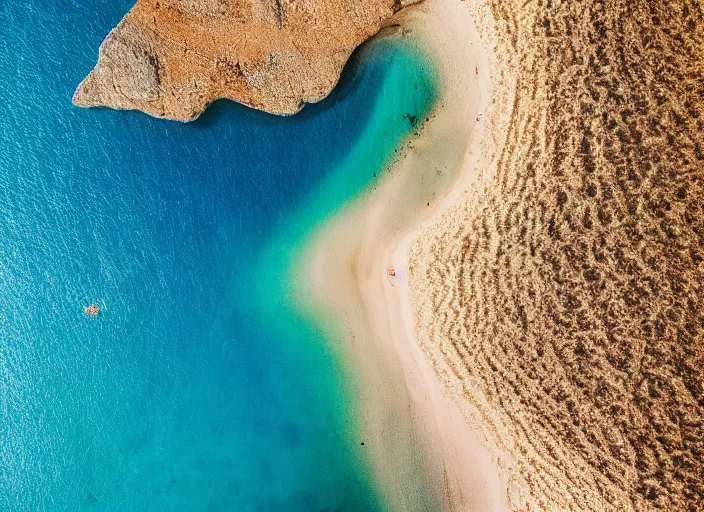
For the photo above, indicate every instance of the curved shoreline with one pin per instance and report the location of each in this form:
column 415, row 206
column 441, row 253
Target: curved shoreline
column 404, row 410
column 409, row 88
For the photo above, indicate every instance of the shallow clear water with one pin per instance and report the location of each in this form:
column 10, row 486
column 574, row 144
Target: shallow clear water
column 193, row 390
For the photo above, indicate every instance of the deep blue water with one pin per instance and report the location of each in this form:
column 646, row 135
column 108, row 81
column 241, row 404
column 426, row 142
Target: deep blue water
column 181, row 395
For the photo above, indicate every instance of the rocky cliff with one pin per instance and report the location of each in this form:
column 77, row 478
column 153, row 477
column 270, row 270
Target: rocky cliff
column 171, row 58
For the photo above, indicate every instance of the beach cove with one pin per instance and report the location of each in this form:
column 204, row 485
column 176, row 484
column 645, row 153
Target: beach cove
column 183, row 393
column 251, row 350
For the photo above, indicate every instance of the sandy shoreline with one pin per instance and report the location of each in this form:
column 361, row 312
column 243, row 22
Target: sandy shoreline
column 417, row 437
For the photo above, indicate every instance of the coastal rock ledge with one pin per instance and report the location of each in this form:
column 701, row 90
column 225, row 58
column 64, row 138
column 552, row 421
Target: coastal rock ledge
column 171, row 58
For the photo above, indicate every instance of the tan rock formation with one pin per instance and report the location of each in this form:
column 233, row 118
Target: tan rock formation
column 171, row 58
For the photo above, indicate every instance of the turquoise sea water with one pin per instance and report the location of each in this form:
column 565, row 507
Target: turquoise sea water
column 198, row 388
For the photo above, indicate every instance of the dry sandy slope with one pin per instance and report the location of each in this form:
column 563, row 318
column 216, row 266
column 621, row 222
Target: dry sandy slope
column 561, row 299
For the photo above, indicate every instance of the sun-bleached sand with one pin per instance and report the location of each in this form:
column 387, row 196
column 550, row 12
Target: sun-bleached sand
column 417, row 437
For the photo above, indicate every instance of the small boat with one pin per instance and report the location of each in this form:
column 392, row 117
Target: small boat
column 92, row 310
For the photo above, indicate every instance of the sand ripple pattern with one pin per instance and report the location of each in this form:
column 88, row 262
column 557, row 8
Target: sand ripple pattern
column 561, row 299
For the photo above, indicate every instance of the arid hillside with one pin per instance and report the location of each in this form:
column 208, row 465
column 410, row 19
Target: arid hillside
column 562, row 299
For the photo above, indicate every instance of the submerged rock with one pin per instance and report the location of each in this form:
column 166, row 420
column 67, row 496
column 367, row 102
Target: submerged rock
column 171, row 58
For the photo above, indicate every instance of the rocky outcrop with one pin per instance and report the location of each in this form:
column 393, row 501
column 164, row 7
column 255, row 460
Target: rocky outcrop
column 171, row 58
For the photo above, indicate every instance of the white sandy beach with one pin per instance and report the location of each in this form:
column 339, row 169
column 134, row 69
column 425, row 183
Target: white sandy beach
column 404, row 407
